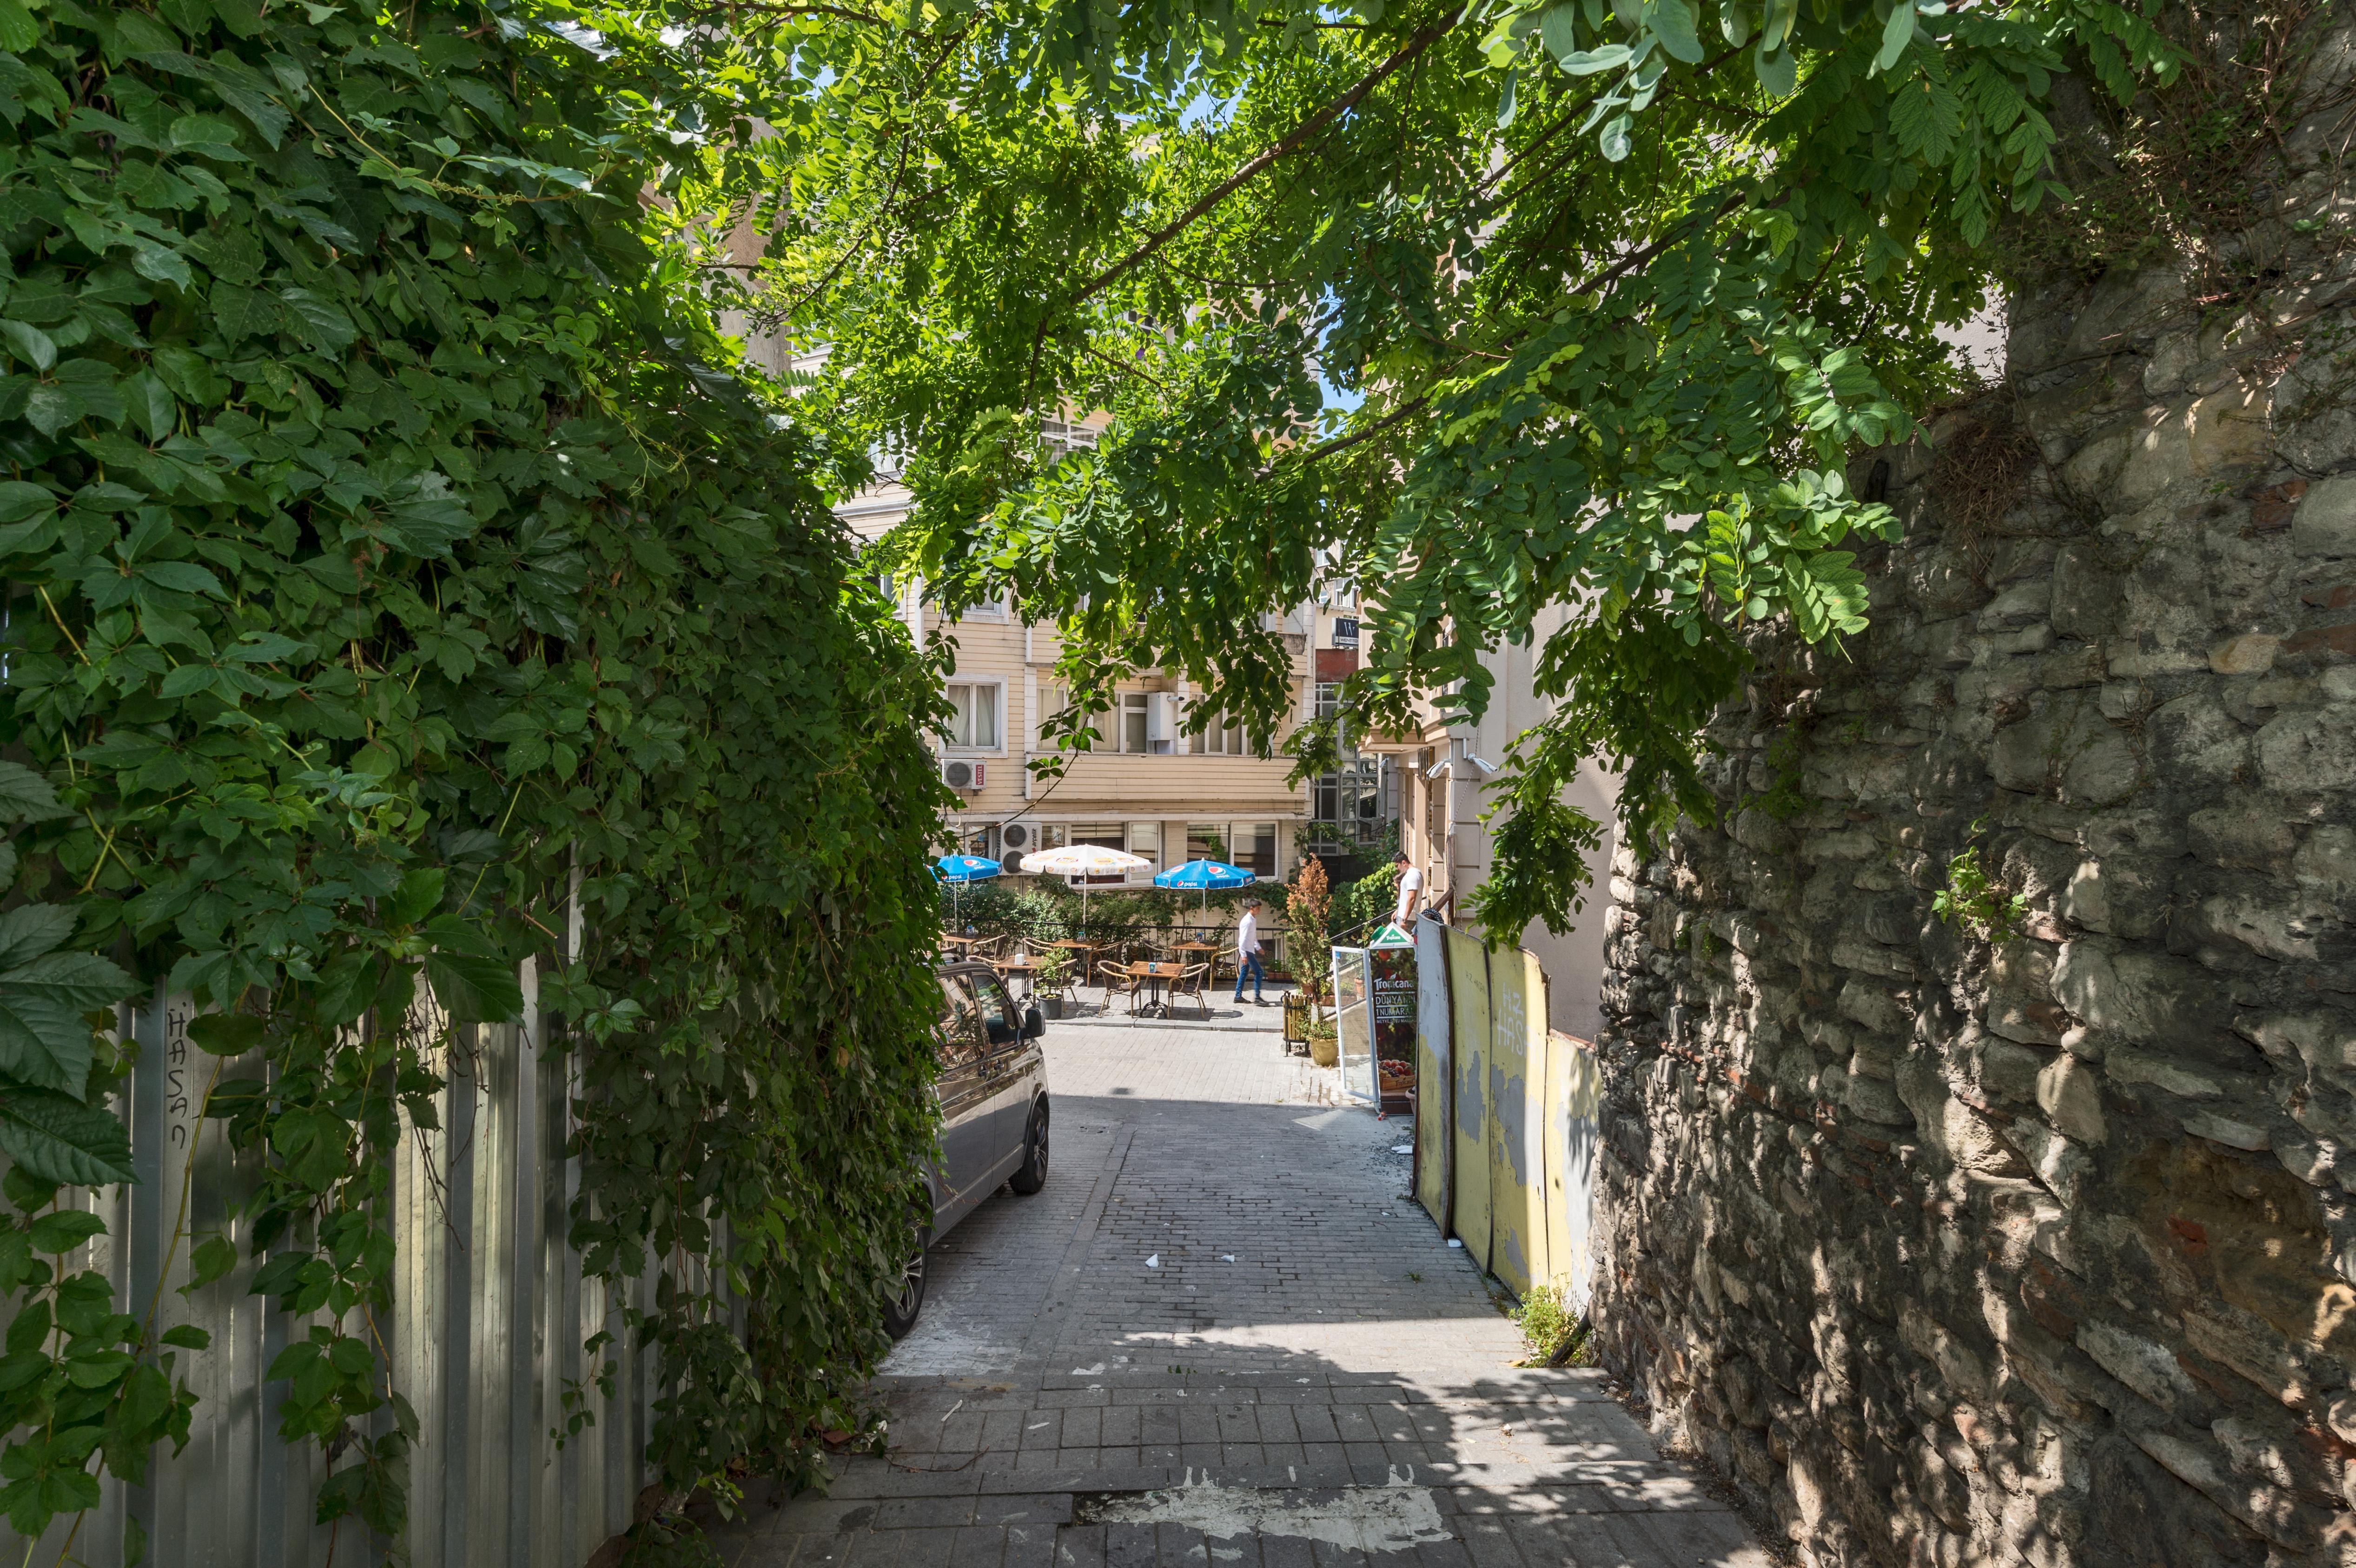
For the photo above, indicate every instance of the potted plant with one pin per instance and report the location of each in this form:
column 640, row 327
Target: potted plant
column 1055, row 968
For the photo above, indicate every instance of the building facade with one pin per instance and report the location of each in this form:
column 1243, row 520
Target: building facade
column 1444, row 779
column 1145, row 786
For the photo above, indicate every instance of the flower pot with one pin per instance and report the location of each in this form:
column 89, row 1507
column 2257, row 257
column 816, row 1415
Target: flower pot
column 1325, row 1050
column 1051, row 1007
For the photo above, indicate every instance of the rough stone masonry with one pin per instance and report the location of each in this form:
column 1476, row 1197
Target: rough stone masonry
column 1952, row 1244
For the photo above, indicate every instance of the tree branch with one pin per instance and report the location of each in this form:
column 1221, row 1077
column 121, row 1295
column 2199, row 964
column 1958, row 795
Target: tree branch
column 1291, row 142
column 770, row 7
column 1609, row 275
column 1635, row 259
column 1328, row 448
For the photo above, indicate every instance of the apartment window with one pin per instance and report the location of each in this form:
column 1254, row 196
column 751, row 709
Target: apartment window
column 1206, row 841
column 991, row 609
column 1345, row 807
column 973, row 723
column 1254, row 847
column 1134, row 726
column 1145, row 843
column 982, row 841
column 1061, row 438
column 1223, row 738
column 1052, row 835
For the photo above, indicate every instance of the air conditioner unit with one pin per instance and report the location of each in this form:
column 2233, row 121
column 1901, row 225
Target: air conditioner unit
column 1014, row 835
column 961, row 775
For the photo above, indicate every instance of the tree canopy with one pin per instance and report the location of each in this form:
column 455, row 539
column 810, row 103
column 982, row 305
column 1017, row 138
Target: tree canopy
column 1483, row 308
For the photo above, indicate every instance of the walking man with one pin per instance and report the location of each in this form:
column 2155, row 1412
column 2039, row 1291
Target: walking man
column 1410, row 890
column 1248, row 955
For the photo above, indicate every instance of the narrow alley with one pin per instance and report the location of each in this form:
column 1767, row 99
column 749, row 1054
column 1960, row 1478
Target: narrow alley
column 1222, row 1334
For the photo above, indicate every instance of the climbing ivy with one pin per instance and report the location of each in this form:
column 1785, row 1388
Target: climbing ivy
column 404, row 581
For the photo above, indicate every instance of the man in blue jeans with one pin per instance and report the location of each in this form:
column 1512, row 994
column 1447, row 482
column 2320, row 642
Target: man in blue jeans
column 1248, row 954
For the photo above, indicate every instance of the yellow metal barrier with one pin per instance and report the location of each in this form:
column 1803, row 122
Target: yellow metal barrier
column 1506, row 1114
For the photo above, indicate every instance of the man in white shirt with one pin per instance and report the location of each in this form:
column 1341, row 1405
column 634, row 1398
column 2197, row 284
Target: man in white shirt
column 1248, row 955
column 1411, row 892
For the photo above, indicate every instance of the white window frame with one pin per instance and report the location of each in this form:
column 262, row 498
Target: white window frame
column 955, row 748
column 1276, row 844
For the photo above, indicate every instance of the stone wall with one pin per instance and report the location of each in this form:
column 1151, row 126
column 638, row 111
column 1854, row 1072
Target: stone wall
column 1954, row 1246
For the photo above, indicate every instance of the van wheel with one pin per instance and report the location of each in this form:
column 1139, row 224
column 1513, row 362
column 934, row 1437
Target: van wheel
column 1034, row 1174
column 900, row 1308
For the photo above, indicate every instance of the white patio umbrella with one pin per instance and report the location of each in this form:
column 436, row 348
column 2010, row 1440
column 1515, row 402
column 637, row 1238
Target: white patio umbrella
column 1081, row 860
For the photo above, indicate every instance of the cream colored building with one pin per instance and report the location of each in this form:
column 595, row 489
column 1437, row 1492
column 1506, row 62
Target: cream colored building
column 1145, row 787
column 1444, row 777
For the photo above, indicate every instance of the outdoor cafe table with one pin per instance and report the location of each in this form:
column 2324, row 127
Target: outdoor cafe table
column 1154, row 975
column 1085, row 952
column 965, row 944
column 1028, row 968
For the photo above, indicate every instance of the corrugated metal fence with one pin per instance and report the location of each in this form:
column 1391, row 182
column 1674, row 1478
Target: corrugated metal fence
column 486, row 1335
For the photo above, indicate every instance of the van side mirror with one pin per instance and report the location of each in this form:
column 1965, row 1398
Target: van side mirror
column 1035, row 1023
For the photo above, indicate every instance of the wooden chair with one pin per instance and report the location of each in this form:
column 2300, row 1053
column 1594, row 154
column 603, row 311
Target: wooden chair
column 1118, row 978
column 1189, row 982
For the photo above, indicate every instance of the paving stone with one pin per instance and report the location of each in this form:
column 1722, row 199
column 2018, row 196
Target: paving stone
column 1279, row 1354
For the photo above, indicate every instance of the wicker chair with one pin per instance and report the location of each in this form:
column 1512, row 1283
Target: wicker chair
column 1190, row 981
column 1117, row 978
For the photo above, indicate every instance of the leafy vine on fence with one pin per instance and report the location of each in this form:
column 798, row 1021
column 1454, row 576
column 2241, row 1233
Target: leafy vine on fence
column 399, row 567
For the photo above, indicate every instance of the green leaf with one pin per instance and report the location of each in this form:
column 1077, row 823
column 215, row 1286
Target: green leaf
column 1611, row 57
column 186, row 681
column 319, row 320
column 1672, row 22
column 1615, row 142
column 346, row 987
column 1896, row 34
column 420, row 895
column 181, row 577
column 25, row 796
column 20, row 501
column 18, row 32
column 1559, row 28
column 210, row 1259
column 226, row 1034
column 150, row 404
column 1778, row 72
column 63, row 1230
column 50, row 408
column 187, row 1336
column 203, row 133
column 29, row 344
column 469, row 976
column 44, row 1039
column 60, row 1140
column 30, row 930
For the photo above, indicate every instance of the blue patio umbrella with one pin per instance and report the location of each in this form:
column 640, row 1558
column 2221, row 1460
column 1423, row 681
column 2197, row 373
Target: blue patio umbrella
column 1206, row 875
column 957, row 870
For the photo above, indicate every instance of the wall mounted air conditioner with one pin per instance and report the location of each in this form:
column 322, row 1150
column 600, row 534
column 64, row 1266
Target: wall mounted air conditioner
column 1014, row 835
column 958, row 774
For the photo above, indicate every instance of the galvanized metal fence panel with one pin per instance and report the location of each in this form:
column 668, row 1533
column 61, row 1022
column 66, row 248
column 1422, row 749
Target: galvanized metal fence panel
column 485, row 1337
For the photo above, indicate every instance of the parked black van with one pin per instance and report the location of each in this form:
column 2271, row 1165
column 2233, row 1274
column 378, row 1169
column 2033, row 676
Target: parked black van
column 992, row 1092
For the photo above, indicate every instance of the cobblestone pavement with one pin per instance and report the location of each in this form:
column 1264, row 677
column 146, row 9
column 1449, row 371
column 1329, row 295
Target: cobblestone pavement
column 1223, row 1335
